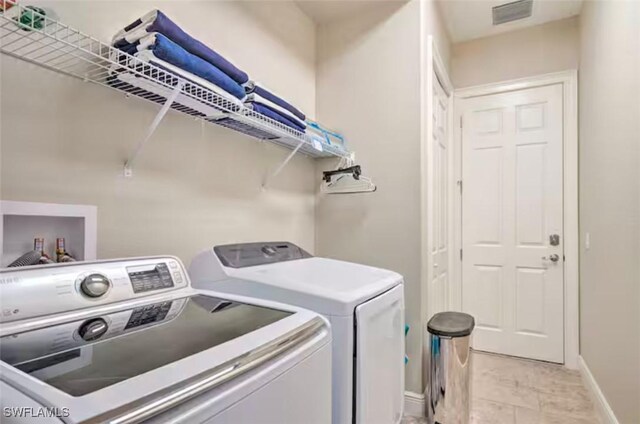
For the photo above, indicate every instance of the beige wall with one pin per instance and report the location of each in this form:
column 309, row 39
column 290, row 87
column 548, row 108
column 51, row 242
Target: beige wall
column 531, row 51
column 368, row 85
column 367, row 88
column 434, row 25
column 610, row 201
column 65, row 141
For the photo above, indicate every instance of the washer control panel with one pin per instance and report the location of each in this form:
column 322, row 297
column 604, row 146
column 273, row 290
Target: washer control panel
column 150, row 277
column 45, row 290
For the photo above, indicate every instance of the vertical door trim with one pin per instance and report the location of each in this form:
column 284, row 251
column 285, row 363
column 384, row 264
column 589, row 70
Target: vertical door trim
column 435, row 68
column 569, row 81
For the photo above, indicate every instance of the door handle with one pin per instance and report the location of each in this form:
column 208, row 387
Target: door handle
column 553, row 258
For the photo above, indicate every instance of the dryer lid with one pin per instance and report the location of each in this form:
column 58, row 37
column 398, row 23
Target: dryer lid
column 328, row 286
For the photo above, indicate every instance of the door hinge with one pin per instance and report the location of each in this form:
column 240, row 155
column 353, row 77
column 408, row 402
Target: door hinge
column 460, row 254
column 459, row 182
column 460, row 121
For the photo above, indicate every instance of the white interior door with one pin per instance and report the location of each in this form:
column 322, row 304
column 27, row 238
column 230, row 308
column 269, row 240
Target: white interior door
column 438, row 203
column 512, row 233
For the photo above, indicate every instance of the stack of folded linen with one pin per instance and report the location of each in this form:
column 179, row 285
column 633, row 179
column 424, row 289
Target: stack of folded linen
column 268, row 104
column 156, row 39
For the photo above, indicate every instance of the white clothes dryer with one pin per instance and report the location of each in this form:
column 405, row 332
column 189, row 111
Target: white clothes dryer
column 365, row 306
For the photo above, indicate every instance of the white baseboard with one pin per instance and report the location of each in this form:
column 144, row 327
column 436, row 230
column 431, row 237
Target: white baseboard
column 601, row 404
column 413, row 404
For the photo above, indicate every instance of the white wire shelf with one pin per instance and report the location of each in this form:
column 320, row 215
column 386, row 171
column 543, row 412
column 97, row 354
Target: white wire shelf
column 60, row 48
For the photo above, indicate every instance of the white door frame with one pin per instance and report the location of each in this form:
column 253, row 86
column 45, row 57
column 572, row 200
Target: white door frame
column 569, row 81
column 435, row 67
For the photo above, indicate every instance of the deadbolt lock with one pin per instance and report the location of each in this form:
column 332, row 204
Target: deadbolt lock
column 554, row 239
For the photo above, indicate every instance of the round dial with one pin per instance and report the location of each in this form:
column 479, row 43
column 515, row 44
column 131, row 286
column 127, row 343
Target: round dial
column 95, row 285
column 93, row 329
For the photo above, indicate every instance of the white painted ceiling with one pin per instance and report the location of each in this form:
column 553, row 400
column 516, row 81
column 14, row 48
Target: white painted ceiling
column 469, row 19
column 325, row 11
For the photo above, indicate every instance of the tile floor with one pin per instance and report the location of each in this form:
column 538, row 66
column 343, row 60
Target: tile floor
column 508, row 390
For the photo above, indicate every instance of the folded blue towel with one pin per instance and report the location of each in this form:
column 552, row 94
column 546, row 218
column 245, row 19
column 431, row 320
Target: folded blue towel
column 298, row 123
column 270, row 113
column 131, row 48
column 156, row 21
column 170, row 52
column 252, row 87
column 254, row 97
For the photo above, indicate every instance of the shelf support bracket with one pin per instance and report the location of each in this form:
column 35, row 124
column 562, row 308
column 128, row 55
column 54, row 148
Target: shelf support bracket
column 128, row 165
column 282, row 165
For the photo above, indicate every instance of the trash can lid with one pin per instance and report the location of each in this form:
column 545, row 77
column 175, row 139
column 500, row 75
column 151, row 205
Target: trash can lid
column 451, row 324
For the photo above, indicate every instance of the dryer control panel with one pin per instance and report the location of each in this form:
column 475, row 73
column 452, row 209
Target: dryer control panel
column 252, row 254
column 45, row 290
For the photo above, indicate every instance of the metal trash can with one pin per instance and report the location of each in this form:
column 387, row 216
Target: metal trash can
column 448, row 392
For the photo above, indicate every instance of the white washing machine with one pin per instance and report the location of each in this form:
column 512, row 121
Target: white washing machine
column 365, row 306
column 128, row 341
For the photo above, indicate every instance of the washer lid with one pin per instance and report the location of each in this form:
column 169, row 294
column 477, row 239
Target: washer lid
column 327, row 286
column 153, row 357
column 130, row 342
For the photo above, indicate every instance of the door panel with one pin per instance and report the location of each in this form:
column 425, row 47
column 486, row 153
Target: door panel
column 488, row 292
column 487, row 166
column 439, row 203
column 530, row 194
column 511, row 205
column 530, row 292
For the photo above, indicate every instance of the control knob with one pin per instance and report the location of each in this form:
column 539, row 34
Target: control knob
column 95, row 285
column 93, row 329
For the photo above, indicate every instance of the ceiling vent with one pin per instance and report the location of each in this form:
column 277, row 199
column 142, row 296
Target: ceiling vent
column 512, row 11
